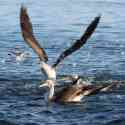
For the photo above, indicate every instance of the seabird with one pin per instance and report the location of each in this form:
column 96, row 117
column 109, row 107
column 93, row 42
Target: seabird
column 69, row 94
column 19, row 55
column 27, row 33
column 22, row 56
column 76, row 92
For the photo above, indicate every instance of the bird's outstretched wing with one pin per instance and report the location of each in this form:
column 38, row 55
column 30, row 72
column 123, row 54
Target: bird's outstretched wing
column 27, row 33
column 80, row 42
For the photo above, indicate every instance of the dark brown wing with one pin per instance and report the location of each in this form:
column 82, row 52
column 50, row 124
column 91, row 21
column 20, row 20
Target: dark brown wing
column 27, row 33
column 67, row 93
column 70, row 92
column 79, row 43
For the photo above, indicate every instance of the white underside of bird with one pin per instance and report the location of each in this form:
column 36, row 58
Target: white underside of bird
column 48, row 70
column 77, row 98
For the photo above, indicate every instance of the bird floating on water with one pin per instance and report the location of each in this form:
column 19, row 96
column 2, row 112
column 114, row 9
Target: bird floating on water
column 18, row 55
column 76, row 92
column 22, row 56
column 73, row 93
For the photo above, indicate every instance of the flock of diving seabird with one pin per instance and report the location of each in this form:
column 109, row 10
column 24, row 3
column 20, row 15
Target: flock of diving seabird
column 77, row 90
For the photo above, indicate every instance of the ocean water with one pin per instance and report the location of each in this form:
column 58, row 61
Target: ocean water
column 57, row 24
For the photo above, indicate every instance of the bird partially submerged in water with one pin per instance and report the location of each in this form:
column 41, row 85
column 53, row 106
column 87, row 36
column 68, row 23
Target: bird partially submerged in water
column 76, row 92
column 71, row 93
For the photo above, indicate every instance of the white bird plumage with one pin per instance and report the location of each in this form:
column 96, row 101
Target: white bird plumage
column 48, row 70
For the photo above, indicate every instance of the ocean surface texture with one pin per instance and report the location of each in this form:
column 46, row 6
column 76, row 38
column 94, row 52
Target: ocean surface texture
column 57, row 24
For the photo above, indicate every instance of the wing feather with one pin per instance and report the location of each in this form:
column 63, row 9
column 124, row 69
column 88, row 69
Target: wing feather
column 27, row 33
column 80, row 42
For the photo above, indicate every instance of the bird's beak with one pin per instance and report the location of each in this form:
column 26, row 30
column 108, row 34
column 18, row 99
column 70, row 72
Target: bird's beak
column 43, row 85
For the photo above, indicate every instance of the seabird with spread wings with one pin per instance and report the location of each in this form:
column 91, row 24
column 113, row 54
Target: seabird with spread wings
column 71, row 93
column 28, row 35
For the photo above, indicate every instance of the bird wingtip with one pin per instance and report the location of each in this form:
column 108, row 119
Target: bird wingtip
column 23, row 8
column 98, row 16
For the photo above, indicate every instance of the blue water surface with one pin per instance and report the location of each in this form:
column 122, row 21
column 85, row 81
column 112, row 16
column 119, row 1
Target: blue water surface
column 57, row 24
